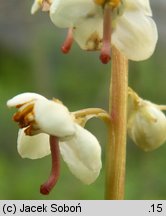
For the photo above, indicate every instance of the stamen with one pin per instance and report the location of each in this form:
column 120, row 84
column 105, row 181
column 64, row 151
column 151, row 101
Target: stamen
column 55, row 154
column 29, row 118
column 19, row 116
column 106, row 46
column 32, row 129
column 68, row 41
column 114, row 3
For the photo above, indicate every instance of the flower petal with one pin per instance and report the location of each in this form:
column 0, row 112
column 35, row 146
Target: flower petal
column 23, row 98
column 33, row 147
column 65, row 14
column 35, row 7
column 88, row 33
column 135, row 35
column 142, row 5
column 53, row 118
column 82, row 154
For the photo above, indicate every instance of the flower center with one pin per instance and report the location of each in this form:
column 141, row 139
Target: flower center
column 55, row 171
column 25, row 118
column 112, row 3
column 112, row 9
column 45, row 4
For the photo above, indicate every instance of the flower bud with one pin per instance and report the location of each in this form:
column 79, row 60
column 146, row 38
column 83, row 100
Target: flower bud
column 146, row 123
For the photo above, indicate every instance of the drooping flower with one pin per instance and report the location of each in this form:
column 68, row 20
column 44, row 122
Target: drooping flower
column 146, row 122
column 98, row 24
column 48, row 126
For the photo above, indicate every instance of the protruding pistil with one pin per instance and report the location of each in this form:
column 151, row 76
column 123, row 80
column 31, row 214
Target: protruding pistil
column 68, row 41
column 105, row 55
column 55, row 171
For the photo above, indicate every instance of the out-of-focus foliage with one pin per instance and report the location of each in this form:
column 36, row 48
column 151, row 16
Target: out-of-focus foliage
column 30, row 60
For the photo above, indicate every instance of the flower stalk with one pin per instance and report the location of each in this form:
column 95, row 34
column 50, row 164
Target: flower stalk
column 116, row 149
column 86, row 114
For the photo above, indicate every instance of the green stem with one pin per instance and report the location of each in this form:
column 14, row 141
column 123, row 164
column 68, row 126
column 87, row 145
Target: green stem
column 116, row 149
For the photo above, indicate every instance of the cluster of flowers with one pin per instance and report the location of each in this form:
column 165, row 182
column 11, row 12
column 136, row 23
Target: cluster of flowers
column 99, row 24
column 47, row 126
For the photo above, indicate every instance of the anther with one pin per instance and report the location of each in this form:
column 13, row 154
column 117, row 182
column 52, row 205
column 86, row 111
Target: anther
column 19, row 116
column 114, row 3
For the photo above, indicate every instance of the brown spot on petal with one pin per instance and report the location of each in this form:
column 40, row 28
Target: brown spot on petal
column 93, row 42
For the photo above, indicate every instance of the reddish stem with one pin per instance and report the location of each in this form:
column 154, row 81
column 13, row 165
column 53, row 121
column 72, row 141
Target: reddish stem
column 55, row 171
column 106, row 47
column 68, row 41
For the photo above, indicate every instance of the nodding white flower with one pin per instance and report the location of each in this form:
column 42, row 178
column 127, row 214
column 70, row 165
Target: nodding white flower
column 98, row 24
column 48, row 126
column 146, row 123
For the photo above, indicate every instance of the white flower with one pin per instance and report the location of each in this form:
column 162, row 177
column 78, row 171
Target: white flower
column 81, row 153
column 40, row 119
column 38, row 114
column 127, row 25
column 146, row 123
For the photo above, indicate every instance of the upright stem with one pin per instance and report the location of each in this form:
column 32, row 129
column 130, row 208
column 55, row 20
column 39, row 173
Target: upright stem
column 116, row 150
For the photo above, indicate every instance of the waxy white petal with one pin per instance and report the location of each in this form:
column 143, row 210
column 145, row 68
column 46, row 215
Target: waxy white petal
column 35, row 7
column 66, row 13
column 33, row 147
column 134, row 32
column 88, row 34
column 82, row 154
column 142, row 5
column 53, row 118
column 23, row 98
column 135, row 35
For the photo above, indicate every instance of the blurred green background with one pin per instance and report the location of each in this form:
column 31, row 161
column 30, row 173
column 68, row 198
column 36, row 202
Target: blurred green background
column 31, row 61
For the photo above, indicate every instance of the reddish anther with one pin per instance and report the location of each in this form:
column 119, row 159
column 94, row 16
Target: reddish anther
column 55, row 171
column 105, row 55
column 68, row 41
